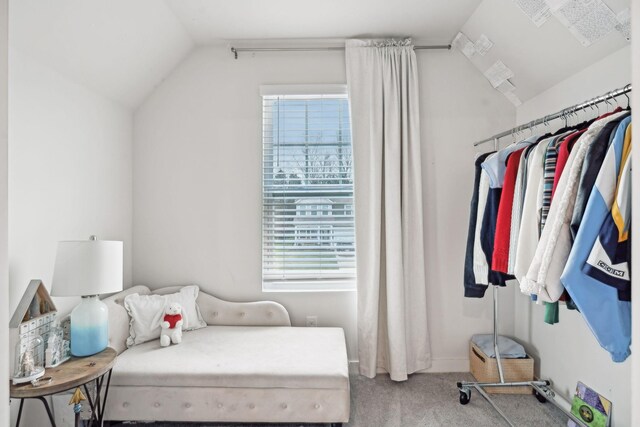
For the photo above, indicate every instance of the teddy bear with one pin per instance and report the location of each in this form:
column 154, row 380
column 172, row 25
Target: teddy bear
column 171, row 326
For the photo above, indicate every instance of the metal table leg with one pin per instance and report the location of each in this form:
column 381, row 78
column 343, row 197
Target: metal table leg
column 104, row 401
column 46, row 406
column 49, row 413
column 98, row 404
column 20, row 413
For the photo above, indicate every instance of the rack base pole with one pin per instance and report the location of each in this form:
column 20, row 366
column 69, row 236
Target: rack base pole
column 495, row 333
column 495, row 407
column 542, row 387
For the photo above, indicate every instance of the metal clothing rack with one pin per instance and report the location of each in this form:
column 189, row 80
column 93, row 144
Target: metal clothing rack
column 562, row 114
column 541, row 388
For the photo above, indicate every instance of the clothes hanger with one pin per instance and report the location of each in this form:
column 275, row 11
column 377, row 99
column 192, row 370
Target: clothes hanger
column 572, row 115
column 627, row 96
column 592, row 105
column 606, row 101
column 628, row 101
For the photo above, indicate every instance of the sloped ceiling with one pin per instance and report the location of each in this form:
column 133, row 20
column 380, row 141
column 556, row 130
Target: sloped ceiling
column 119, row 48
column 123, row 49
column 209, row 21
column 539, row 57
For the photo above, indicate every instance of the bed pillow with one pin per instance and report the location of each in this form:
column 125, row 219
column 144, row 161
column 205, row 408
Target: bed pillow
column 146, row 312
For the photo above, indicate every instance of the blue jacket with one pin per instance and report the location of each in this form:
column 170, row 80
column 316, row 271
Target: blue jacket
column 608, row 317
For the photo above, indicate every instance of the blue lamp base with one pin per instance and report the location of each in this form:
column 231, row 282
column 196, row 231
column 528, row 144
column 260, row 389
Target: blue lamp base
column 89, row 327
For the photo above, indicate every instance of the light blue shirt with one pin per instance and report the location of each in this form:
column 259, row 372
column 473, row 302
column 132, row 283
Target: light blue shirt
column 495, row 165
column 608, row 318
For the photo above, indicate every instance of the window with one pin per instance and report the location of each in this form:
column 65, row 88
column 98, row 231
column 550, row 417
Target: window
column 308, row 229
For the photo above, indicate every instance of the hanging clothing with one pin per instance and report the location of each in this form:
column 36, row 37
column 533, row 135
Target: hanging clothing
column 543, row 277
column 565, row 143
column 516, row 210
column 552, row 170
column 607, row 315
column 480, row 263
column 590, row 169
column 550, row 161
column 502, row 239
column 487, row 235
column 531, row 209
column 472, row 287
column 553, row 164
column 564, row 148
column 555, row 213
column 609, row 259
column 496, row 166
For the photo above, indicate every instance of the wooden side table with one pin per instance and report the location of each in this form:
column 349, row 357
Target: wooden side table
column 79, row 371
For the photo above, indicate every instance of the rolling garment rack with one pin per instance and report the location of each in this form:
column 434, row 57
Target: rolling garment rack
column 541, row 388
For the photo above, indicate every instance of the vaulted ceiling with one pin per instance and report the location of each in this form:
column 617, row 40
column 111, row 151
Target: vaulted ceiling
column 539, row 57
column 119, row 48
column 122, row 49
column 209, row 21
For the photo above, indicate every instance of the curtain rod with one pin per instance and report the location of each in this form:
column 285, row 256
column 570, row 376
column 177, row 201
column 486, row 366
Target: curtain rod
column 236, row 50
column 560, row 114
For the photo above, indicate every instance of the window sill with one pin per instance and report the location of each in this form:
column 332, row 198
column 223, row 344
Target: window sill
column 308, row 287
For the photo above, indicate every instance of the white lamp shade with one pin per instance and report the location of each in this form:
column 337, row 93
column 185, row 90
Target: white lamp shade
column 87, row 267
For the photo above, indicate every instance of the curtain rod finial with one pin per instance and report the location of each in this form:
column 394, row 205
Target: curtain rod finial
column 235, row 52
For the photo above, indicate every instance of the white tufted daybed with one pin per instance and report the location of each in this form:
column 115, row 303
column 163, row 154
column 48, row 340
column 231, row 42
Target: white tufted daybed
column 248, row 365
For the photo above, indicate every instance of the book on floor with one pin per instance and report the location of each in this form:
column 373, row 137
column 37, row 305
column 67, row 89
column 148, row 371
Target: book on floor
column 591, row 407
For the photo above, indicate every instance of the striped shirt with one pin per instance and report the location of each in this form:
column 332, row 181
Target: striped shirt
column 550, row 158
column 549, row 171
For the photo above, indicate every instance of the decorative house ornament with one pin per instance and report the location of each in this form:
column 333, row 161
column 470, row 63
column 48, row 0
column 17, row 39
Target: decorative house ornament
column 58, row 349
column 31, row 327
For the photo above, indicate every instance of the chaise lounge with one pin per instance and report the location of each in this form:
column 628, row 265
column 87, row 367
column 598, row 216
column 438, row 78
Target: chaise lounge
column 248, row 365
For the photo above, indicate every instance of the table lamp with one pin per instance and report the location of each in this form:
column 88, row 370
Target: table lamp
column 88, row 268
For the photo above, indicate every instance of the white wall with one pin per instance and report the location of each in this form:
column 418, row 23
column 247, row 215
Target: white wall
column 69, row 171
column 568, row 352
column 197, row 184
column 4, row 270
column 69, row 175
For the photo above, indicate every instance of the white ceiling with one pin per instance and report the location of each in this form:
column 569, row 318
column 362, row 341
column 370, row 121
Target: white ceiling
column 539, row 57
column 209, row 21
column 119, row 48
column 123, row 49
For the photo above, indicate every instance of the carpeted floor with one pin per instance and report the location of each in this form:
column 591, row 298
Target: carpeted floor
column 427, row 400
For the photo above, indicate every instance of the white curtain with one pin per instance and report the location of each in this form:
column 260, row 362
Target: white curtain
column 393, row 336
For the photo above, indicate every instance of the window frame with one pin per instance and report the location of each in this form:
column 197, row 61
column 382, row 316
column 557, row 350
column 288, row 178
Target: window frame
column 312, row 285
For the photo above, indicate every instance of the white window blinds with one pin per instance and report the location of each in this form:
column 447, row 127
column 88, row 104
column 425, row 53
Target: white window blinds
column 308, row 211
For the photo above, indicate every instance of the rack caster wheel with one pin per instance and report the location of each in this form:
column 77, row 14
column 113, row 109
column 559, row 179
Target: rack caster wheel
column 541, row 398
column 465, row 396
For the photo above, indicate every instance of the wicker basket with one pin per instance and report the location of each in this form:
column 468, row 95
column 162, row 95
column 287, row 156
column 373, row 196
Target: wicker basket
column 485, row 369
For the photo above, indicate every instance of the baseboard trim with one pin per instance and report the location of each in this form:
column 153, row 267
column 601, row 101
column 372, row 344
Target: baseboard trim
column 438, row 365
column 448, row 365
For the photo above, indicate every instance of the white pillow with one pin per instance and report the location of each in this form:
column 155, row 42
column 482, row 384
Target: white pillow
column 147, row 311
